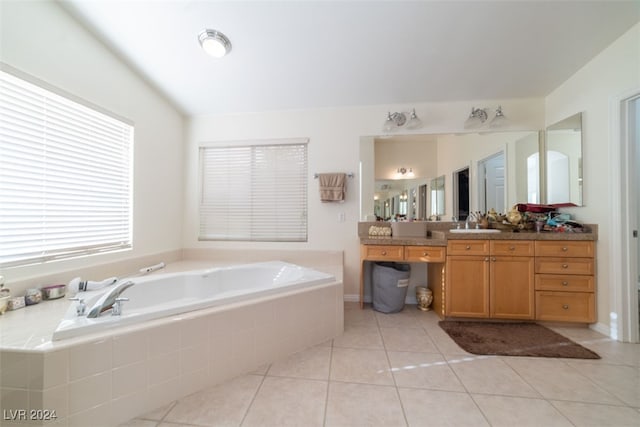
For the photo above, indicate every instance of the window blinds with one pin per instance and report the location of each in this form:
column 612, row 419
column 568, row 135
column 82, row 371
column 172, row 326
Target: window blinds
column 254, row 192
column 65, row 177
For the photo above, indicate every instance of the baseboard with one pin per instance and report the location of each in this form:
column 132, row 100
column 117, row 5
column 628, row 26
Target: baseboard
column 367, row 299
column 602, row 328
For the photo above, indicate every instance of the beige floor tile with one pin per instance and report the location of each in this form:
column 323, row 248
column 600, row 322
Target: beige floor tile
column 407, row 339
column 137, row 422
column 582, row 414
column 358, row 317
column 423, row 370
column 224, row 404
column 262, row 370
column 620, row 380
column 158, row 413
column 288, row 401
column 503, row 411
column 489, row 375
column 426, row 408
column 312, row 363
column 407, row 318
column 617, row 352
column 443, row 341
column 360, row 337
column 363, row 404
column 360, row 366
column 555, row 379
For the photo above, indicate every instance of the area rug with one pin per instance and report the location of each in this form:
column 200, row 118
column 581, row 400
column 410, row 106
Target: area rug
column 513, row 339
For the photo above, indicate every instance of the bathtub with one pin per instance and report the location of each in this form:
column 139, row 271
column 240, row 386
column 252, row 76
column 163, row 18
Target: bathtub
column 163, row 295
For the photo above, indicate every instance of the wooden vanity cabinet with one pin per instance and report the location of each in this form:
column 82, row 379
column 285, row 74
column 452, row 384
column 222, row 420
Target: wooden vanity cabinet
column 565, row 281
column 495, row 279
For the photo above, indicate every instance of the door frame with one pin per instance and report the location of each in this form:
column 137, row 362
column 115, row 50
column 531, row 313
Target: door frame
column 622, row 269
column 481, row 183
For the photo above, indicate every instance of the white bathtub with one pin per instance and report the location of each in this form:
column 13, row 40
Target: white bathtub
column 163, row 295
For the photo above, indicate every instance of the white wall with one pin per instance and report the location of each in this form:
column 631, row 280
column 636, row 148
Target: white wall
column 615, row 71
column 42, row 40
column 335, row 137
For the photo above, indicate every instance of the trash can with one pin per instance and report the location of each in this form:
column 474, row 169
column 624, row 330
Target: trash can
column 389, row 286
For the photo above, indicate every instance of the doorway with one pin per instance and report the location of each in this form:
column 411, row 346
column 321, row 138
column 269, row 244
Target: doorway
column 461, row 194
column 491, row 182
column 633, row 132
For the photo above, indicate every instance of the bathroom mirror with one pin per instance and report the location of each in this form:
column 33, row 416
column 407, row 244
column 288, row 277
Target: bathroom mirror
column 415, row 164
column 563, row 161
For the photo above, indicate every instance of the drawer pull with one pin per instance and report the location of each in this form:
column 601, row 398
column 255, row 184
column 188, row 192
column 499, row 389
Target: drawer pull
column 467, row 247
column 565, row 249
column 565, row 265
column 486, row 259
column 565, row 283
column 384, row 252
column 425, row 253
column 493, row 259
column 512, row 248
column 565, row 306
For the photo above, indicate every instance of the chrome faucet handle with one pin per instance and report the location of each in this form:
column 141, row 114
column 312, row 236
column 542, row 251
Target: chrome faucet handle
column 81, row 307
column 116, row 310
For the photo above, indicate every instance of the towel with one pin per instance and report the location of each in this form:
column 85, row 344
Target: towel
column 332, row 186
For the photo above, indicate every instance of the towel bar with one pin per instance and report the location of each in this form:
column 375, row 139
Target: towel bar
column 349, row 175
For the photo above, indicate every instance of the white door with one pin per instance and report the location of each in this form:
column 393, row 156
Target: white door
column 492, row 177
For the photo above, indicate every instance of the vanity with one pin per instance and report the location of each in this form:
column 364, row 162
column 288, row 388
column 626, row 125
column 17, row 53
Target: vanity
column 510, row 276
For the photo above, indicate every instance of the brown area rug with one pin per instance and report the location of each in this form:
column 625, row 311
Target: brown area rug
column 513, row 339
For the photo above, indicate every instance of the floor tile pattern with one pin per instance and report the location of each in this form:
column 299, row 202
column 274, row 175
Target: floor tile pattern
column 401, row 369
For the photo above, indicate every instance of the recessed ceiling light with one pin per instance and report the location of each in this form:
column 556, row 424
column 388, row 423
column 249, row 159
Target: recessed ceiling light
column 214, row 43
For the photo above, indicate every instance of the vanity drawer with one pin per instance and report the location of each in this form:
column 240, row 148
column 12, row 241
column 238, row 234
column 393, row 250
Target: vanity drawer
column 383, row 252
column 425, row 253
column 468, row 247
column 585, row 266
column 557, row 282
column 512, row 247
column 565, row 306
column 565, row 248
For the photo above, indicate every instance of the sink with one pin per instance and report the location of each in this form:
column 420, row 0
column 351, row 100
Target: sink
column 474, row 230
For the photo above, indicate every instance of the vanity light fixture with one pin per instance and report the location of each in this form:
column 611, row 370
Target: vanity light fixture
column 399, row 119
column 479, row 115
column 401, row 172
column 214, row 43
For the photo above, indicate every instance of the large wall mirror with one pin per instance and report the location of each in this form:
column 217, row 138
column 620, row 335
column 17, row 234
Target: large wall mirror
column 563, row 161
column 494, row 169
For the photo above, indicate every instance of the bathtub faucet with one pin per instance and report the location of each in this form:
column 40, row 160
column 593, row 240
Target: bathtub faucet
column 110, row 300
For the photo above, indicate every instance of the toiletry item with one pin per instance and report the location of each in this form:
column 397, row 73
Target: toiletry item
column 79, row 285
column 33, row 296
column 53, row 291
column 5, row 295
column 16, row 303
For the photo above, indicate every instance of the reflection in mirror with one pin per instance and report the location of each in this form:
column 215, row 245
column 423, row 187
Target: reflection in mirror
column 461, row 194
column 563, row 161
column 437, row 197
column 430, row 156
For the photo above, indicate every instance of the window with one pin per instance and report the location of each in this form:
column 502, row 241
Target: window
column 256, row 192
column 65, row 177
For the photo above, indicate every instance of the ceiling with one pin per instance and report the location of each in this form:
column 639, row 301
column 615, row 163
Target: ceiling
column 318, row 54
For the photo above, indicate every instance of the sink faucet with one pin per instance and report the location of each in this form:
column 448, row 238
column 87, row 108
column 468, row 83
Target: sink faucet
column 466, row 222
column 110, row 300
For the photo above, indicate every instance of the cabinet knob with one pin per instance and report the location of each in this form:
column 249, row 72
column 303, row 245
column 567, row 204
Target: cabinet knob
column 425, row 253
column 565, row 306
column 565, row 283
column 565, row 249
column 493, row 259
column 486, row 259
column 467, row 247
column 565, row 265
column 384, row 252
column 512, row 248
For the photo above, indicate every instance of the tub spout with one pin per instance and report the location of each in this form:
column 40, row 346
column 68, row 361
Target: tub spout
column 108, row 299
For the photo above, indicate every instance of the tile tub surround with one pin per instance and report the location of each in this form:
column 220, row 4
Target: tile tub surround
column 115, row 376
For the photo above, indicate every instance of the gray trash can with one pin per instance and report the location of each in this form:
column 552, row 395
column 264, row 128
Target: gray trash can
column 389, row 286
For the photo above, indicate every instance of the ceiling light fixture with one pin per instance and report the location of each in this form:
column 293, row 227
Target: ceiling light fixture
column 399, row 119
column 401, row 172
column 479, row 115
column 214, row 43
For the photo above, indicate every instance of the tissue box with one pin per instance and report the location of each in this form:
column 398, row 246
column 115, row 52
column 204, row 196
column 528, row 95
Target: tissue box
column 409, row 229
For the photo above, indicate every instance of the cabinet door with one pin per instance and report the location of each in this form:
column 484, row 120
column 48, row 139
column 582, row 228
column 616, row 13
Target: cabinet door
column 467, row 291
column 512, row 288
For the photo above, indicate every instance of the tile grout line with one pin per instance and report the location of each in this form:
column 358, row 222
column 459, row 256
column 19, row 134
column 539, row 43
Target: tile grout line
column 386, row 353
column 326, row 399
column 255, row 394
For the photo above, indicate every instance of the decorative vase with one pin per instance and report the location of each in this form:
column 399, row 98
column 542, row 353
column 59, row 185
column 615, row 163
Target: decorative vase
column 424, row 296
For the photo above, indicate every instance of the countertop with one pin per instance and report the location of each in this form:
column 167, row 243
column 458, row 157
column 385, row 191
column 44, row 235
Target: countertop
column 438, row 235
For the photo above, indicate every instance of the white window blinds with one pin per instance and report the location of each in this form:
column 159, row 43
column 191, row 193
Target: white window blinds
column 254, row 192
column 65, row 177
